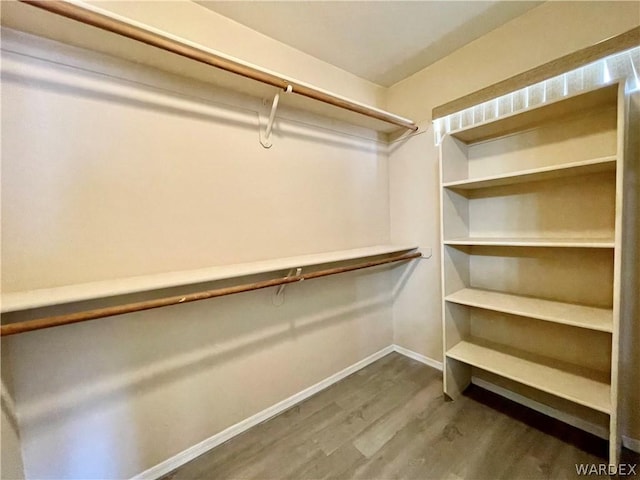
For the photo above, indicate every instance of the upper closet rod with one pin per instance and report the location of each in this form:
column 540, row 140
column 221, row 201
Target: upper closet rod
column 59, row 320
column 183, row 48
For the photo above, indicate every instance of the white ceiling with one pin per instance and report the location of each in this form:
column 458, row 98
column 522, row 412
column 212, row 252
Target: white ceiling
column 382, row 41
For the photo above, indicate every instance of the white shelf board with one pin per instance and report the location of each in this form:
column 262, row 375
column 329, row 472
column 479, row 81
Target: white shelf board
column 588, row 388
column 584, row 167
column 14, row 301
column 593, row 318
column 534, row 242
column 533, row 117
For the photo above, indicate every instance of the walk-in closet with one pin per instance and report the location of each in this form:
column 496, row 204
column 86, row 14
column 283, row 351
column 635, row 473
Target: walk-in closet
column 320, row 240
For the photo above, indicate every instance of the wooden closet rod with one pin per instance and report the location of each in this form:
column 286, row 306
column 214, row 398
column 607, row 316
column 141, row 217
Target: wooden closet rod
column 59, row 320
column 135, row 32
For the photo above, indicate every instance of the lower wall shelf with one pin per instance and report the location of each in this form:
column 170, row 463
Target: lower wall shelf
column 577, row 384
column 15, row 301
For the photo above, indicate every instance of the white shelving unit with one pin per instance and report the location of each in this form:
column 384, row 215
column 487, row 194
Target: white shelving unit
column 15, row 301
column 531, row 248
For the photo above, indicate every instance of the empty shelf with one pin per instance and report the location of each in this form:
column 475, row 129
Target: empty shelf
column 13, row 301
column 534, row 242
column 596, row 165
column 566, row 313
column 540, row 115
column 579, row 385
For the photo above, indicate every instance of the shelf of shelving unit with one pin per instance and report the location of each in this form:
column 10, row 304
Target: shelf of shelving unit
column 593, row 318
column 579, row 385
column 533, row 242
column 14, row 301
column 585, row 167
column 538, row 115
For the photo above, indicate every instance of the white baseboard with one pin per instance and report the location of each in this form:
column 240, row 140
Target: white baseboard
column 418, row 357
column 192, row 452
column 631, row 443
column 596, row 430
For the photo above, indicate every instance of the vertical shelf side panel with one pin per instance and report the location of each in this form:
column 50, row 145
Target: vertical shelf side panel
column 626, row 305
column 457, row 377
column 454, row 220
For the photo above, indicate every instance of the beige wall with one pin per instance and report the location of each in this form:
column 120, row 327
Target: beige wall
column 106, row 178
column 415, row 218
column 125, row 174
column 540, row 35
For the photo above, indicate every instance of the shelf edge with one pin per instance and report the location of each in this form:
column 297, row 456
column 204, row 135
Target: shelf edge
column 542, row 243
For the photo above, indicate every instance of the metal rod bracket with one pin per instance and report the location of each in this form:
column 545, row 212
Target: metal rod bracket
column 278, row 295
column 265, row 137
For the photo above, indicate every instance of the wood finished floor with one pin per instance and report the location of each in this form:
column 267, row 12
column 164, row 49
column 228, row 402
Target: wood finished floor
column 390, row 421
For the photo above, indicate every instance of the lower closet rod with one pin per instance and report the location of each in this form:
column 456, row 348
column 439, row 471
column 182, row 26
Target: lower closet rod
column 58, row 320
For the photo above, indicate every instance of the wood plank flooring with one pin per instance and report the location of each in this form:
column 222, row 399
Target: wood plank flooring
column 390, row 421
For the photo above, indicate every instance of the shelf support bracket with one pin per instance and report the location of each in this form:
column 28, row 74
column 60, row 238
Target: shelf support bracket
column 265, row 137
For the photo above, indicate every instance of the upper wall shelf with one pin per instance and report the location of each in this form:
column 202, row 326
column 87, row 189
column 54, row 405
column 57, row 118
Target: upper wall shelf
column 87, row 26
column 15, row 301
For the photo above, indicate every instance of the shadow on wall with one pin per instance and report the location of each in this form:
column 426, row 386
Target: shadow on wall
column 8, row 407
column 115, row 93
column 113, row 88
column 11, row 462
